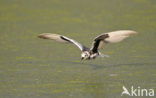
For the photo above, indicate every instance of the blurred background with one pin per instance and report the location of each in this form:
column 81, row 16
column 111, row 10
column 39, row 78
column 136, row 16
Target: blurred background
column 34, row 68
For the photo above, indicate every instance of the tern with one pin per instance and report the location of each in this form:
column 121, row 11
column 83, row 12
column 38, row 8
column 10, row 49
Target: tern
column 98, row 43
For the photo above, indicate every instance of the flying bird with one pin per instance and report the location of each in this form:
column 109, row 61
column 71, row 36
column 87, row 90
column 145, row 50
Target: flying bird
column 98, row 43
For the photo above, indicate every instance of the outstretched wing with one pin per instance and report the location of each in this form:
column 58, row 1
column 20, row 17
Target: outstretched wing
column 99, row 42
column 62, row 39
column 110, row 37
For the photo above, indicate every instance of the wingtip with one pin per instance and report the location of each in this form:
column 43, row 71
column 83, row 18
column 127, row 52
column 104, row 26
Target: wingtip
column 134, row 32
column 41, row 36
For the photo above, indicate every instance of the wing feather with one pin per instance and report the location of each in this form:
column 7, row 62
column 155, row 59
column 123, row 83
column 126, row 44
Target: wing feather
column 62, row 39
column 110, row 37
column 99, row 42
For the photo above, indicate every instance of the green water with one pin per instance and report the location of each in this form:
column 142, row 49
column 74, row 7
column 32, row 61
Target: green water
column 34, row 68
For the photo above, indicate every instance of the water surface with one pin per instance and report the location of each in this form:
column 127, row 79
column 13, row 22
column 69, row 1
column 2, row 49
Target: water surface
column 34, row 68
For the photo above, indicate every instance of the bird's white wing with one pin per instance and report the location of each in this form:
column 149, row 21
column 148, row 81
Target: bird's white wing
column 62, row 39
column 117, row 36
column 110, row 37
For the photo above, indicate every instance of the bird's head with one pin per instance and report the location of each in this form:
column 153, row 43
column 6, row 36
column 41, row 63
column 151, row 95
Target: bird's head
column 85, row 55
